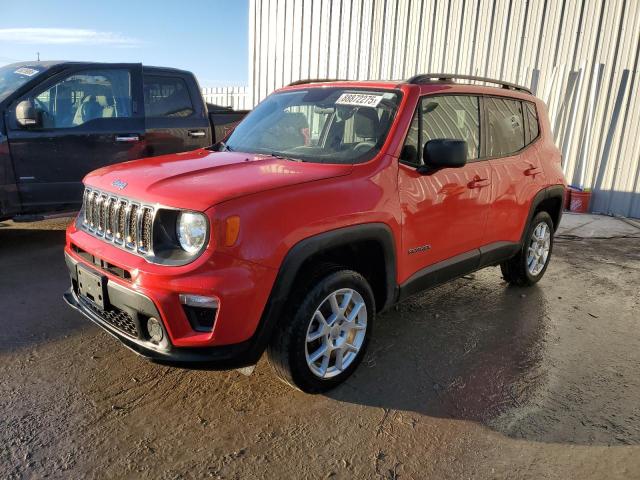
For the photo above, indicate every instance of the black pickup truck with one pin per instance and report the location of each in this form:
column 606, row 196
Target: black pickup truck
column 60, row 120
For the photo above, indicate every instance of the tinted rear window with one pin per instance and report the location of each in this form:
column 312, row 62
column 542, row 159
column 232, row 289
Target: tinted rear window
column 166, row 97
column 505, row 126
column 532, row 118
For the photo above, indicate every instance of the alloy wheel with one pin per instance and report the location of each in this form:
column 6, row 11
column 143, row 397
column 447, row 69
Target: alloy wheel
column 336, row 333
column 539, row 247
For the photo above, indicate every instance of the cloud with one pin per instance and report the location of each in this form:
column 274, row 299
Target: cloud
column 66, row 36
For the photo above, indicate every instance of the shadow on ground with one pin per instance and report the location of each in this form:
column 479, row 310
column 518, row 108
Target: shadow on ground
column 461, row 351
column 554, row 363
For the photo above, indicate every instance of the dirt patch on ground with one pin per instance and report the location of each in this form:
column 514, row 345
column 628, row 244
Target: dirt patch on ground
column 470, row 380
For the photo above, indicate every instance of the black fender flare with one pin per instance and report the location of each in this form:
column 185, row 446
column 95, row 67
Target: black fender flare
column 305, row 249
column 554, row 191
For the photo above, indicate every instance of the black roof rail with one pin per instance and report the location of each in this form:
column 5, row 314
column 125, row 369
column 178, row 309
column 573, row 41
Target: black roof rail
column 450, row 77
column 316, row 80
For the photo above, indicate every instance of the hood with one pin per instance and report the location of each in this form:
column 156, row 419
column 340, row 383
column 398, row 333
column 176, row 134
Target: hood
column 200, row 179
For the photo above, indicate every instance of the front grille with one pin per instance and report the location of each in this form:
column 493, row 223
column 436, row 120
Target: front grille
column 115, row 317
column 132, row 226
column 121, row 221
column 146, row 240
column 109, row 216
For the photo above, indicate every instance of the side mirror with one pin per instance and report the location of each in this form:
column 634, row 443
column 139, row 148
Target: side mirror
column 443, row 153
column 27, row 115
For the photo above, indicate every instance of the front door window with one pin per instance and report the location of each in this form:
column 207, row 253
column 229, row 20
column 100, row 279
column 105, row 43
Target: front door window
column 84, row 97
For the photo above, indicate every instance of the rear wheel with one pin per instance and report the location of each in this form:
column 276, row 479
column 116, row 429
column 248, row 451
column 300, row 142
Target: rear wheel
column 323, row 343
column 529, row 265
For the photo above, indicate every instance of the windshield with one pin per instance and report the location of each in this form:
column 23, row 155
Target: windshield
column 14, row 76
column 321, row 124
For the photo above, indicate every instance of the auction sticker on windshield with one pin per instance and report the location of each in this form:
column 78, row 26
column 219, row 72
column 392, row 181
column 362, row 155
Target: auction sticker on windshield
column 29, row 72
column 359, row 99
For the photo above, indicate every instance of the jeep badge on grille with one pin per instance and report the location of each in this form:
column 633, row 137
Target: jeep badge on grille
column 119, row 184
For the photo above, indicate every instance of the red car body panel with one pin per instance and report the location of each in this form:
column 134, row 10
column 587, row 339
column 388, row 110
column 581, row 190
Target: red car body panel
column 281, row 202
column 199, row 179
column 244, row 286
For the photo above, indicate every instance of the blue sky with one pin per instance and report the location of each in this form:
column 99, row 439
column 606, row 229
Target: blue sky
column 207, row 37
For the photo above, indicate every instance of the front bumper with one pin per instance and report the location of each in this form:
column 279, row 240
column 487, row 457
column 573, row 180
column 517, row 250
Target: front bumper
column 125, row 318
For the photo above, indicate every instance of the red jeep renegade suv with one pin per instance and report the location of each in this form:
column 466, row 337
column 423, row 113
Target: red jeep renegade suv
column 329, row 203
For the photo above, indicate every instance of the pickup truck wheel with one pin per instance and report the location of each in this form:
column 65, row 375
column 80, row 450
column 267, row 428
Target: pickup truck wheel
column 529, row 265
column 327, row 337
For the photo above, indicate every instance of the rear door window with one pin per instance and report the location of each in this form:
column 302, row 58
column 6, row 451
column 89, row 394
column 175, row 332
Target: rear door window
column 166, row 97
column 505, row 126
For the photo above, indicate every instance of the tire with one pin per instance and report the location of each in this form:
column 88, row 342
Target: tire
column 521, row 270
column 291, row 353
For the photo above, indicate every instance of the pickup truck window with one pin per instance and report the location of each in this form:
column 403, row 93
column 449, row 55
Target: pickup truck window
column 166, row 97
column 85, row 96
column 323, row 125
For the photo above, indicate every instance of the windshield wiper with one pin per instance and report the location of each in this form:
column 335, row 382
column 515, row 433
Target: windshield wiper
column 283, row 157
column 220, row 147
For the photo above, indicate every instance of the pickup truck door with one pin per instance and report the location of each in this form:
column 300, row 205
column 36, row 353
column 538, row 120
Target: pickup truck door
column 175, row 114
column 91, row 116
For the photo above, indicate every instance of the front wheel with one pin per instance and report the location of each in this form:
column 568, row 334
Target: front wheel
column 529, row 265
column 323, row 343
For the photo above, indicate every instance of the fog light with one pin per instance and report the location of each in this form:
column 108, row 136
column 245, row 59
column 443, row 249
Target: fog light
column 155, row 330
column 200, row 311
column 198, row 301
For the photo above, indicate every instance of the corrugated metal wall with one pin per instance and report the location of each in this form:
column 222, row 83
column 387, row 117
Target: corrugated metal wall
column 580, row 56
column 237, row 98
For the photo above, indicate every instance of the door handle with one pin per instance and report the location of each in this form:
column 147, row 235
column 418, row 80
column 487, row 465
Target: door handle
column 127, row 138
column 532, row 170
column 197, row 133
column 478, row 182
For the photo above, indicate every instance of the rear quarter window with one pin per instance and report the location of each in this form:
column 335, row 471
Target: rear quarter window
column 532, row 120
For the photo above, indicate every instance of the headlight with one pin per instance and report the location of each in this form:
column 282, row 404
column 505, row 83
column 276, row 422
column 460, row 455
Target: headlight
column 191, row 229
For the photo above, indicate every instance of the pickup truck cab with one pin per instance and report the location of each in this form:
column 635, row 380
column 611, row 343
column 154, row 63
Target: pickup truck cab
column 328, row 203
column 61, row 120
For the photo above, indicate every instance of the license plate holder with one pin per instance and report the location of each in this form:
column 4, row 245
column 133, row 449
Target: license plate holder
column 92, row 286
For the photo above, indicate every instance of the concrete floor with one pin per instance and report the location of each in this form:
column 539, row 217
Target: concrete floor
column 473, row 379
column 597, row 226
